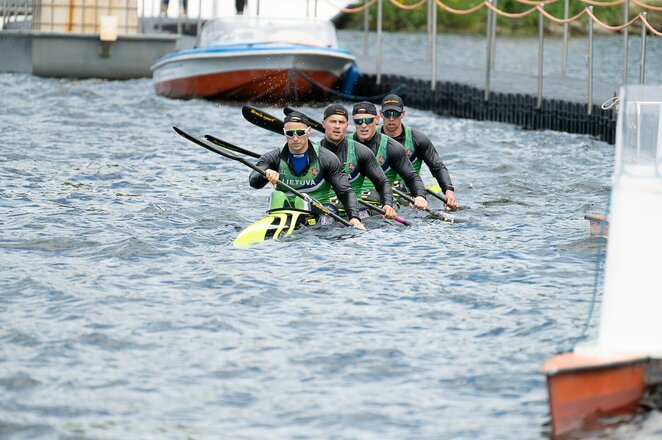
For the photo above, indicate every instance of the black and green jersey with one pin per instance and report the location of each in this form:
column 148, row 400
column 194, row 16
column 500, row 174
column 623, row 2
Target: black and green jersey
column 322, row 176
column 422, row 150
column 310, row 181
column 360, row 163
column 393, row 160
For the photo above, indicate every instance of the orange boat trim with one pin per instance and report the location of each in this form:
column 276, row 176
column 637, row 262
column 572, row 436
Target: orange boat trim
column 268, row 84
column 583, row 386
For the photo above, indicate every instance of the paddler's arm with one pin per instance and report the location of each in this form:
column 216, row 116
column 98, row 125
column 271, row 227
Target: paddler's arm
column 399, row 161
column 268, row 162
column 335, row 175
column 369, row 167
column 425, row 150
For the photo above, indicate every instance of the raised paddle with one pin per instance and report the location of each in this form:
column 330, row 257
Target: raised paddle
column 265, row 120
column 209, row 146
column 262, row 119
column 313, row 123
column 229, row 146
column 318, row 126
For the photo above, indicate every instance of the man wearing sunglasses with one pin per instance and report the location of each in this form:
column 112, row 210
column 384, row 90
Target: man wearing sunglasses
column 417, row 145
column 307, row 168
column 390, row 154
column 358, row 160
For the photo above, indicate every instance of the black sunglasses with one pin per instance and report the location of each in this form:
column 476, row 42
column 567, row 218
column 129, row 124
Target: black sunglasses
column 388, row 114
column 298, row 132
column 361, row 121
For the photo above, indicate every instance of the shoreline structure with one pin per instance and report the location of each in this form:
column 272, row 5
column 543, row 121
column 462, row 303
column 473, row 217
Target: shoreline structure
column 465, row 92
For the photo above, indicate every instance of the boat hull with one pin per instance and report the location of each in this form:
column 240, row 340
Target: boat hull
column 582, row 388
column 262, row 75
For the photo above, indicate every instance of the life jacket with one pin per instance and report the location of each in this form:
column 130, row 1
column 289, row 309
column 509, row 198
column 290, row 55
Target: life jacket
column 382, row 160
column 410, row 148
column 311, row 183
column 351, row 167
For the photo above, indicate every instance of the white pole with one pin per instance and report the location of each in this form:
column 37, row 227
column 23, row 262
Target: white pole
column 433, row 85
column 379, row 42
column 564, row 61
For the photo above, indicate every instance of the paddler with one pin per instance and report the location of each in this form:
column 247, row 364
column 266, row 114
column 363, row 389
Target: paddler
column 390, row 154
column 307, row 168
column 417, row 145
column 359, row 162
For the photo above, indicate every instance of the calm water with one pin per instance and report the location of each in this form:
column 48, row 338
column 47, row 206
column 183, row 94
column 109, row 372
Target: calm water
column 127, row 313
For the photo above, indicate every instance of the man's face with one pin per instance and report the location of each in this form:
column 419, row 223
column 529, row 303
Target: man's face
column 392, row 119
column 366, row 125
column 297, row 136
column 335, row 127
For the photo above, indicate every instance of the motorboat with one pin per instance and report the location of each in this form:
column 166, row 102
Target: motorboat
column 621, row 372
column 258, row 58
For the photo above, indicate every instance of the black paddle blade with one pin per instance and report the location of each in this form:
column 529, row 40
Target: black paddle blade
column 313, row 123
column 262, row 119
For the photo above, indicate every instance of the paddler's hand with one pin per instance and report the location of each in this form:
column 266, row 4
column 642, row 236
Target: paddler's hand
column 356, row 223
column 420, row 203
column 389, row 212
column 272, row 176
column 451, row 200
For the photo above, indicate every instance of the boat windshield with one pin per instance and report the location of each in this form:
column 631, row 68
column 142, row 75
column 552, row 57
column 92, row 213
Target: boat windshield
column 639, row 133
column 246, row 30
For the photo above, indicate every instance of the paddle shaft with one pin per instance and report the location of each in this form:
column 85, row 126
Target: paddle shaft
column 209, row 146
column 318, row 126
column 441, row 197
column 381, row 211
column 272, row 123
column 229, row 146
column 437, row 214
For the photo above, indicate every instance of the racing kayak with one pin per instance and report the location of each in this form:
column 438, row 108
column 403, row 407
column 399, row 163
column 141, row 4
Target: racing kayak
column 279, row 223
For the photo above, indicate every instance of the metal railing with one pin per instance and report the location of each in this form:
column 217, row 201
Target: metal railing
column 536, row 6
column 14, row 11
column 67, row 16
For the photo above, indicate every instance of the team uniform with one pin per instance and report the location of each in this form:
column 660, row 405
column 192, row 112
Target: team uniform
column 395, row 164
column 323, row 178
column 359, row 164
column 419, row 149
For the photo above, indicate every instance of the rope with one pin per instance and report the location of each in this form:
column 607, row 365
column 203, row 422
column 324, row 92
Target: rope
column 534, row 3
column 459, row 11
column 648, row 25
column 352, row 10
column 594, row 3
column 537, row 6
column 611, row 103
column 596, row 282
column 561, row 20
column 644, row 5
column 397, row 4
column 606, row 26
column 396, row 90
column 509, row 14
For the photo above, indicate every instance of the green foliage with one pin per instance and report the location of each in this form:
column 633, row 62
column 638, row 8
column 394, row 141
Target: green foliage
column 398, row 19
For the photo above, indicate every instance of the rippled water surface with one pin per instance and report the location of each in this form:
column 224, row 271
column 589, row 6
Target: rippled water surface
column 127, row 313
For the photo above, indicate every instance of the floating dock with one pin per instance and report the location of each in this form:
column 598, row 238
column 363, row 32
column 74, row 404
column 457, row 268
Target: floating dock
column 459, row 93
